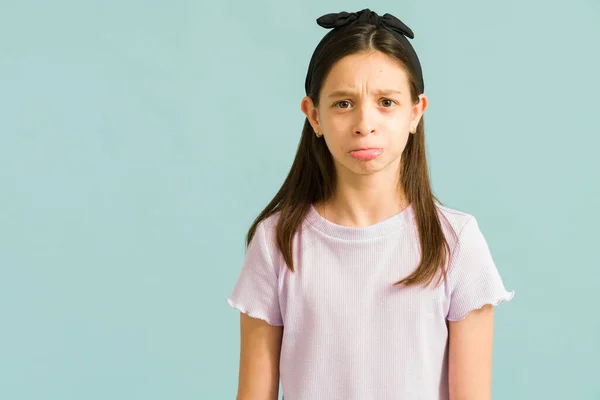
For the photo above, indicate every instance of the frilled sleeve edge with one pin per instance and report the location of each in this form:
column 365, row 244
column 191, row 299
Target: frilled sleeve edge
column 508, row 296
column 253, row 313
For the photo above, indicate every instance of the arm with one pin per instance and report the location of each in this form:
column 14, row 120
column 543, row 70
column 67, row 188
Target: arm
column 470, row 355
column 260, row 347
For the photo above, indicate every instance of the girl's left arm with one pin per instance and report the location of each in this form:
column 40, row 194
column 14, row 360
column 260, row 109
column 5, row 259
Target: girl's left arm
column 470, row 355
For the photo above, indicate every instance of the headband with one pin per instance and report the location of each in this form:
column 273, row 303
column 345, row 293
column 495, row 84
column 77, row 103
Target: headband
column 366, row 16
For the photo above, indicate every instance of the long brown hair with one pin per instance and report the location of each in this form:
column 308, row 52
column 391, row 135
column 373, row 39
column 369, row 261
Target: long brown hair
column 312, row 176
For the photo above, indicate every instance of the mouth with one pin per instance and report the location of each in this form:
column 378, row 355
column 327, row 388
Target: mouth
column 366, row 153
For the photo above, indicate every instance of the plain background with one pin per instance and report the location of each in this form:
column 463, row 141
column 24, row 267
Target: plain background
column 140, row 139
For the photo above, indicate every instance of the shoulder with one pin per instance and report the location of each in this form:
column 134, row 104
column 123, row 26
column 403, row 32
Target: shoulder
column 453, row 216
column 268, row 226
column 265, row 233
column 266, row 230
column 453, row 221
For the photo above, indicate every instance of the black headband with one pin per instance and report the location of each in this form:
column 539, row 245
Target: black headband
column 366, row 16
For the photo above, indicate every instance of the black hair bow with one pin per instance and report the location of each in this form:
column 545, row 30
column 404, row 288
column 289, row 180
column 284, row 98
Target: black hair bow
column 336, row 20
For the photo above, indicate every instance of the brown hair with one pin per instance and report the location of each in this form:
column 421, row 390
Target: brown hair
column 312, row 175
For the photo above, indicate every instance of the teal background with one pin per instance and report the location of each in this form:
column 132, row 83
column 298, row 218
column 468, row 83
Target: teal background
column 139, row 140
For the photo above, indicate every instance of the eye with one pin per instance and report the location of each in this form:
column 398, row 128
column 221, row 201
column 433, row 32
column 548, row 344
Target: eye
column 341, row 102
column 392, row 102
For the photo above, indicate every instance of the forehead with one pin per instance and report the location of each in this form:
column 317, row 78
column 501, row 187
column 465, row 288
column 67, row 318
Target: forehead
column 374, row 70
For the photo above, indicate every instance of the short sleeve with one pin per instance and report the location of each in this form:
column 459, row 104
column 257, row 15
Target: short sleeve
column 256, row 290
column 473, row 279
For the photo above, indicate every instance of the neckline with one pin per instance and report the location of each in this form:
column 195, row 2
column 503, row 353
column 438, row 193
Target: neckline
column 392, row 224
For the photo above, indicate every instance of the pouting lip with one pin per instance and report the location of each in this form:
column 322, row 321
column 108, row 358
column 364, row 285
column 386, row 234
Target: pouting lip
column 366, row 148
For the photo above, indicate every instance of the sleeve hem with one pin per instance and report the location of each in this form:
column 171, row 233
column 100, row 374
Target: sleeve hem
column 253, row 314
column 508, row 296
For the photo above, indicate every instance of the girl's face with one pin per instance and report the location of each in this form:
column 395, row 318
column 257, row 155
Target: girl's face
column 365, row 103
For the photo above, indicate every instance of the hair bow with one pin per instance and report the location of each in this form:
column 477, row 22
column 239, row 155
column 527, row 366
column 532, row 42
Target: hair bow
column 336, row 20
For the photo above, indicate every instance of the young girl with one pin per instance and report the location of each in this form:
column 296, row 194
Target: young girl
column 357, row 283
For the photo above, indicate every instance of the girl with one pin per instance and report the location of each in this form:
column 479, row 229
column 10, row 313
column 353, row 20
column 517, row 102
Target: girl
column 357, row 282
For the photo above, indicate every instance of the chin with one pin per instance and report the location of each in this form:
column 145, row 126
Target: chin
column 363, row 167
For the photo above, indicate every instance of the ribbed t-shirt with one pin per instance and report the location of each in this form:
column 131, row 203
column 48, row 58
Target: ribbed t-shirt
column 349, row 334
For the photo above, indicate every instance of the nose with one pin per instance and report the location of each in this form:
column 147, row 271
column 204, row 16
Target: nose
column 365, row 123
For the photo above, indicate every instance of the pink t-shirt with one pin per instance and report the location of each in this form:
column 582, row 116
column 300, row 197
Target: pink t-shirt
column 349, row 334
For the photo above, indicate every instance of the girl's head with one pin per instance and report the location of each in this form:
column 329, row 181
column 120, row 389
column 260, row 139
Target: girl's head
column 367, row 58
column 366, row 99
column 364, row 89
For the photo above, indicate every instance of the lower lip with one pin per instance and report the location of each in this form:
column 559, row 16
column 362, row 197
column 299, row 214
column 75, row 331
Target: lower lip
column 368, row 154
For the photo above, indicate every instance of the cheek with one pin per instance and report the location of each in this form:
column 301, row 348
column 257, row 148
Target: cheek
column 334, row 125
column 400, row 140
column 335, row 144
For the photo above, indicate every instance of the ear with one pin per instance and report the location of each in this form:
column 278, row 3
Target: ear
column 312, row 113
column 419, row 109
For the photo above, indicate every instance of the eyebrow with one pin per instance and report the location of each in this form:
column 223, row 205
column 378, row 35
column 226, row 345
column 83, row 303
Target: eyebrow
column 343, row 93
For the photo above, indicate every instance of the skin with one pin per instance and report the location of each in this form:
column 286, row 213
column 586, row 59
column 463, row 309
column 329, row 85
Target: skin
column 470, row 355
column 367, row 191
column 260, row 349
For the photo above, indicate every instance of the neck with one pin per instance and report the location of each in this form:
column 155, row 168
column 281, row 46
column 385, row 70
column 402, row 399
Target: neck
column 362, row 208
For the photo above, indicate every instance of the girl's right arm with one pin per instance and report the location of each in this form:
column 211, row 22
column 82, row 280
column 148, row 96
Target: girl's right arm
column 260, row 349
